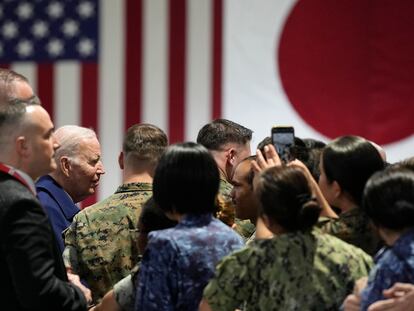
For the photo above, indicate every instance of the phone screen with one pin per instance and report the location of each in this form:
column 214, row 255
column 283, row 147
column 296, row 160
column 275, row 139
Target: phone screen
column 282, row 142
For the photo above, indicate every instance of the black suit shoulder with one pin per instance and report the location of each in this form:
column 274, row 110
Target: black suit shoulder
column 31, row 268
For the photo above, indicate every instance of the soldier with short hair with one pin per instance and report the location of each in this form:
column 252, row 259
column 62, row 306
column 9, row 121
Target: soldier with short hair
column 229, row 143
column 101, row 244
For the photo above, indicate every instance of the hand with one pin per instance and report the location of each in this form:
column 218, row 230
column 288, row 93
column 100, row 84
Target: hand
column 401, row 298
column 108, row 303
column 270, row 159
column 323, row 203
column 74, row 279
column 297, row 163
column 360, row 285
column 352, row 303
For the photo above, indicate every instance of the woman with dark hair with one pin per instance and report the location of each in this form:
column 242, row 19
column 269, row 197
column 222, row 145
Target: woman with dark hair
column 389, row 203
column 178, row 262
column 300, row 268
column 346, row 164
column 122, row 296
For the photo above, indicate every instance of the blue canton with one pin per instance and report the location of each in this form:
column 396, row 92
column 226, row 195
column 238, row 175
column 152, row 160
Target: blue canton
column 393, row 264
column 179, row 262
column 48, row 30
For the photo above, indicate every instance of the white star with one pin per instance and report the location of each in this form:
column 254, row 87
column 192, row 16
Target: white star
column 70, row 28
column 40, row 29
column 55, row 47
column 85, row 9
column 10, row 30
column 55, row 9
column 24, row 10
column 24, row 48
column 85, row 47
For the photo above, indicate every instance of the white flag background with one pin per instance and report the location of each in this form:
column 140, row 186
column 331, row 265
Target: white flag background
column 181, row 63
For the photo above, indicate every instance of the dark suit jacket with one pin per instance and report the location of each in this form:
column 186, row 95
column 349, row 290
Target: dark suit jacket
column 58, row 205
column 32, row 274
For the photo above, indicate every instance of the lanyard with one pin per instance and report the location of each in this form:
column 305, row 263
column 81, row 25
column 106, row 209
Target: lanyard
column 12, row 172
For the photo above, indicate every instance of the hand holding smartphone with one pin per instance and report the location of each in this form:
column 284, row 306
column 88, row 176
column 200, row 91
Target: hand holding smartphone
column 283, row 137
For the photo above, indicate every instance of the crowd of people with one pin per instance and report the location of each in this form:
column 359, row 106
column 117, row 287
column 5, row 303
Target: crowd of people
column 199, row 225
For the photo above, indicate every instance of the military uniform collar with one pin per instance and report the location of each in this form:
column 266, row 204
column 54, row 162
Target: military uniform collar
column 135, row 186
column 196, row 220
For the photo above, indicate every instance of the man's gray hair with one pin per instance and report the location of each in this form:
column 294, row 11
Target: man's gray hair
column 69, row 138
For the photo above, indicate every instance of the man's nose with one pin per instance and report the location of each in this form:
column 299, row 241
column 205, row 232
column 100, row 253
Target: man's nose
column 101, row 169
column 55, row 143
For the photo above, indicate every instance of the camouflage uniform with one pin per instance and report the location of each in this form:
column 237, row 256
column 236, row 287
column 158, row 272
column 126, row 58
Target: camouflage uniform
column 101, row 244
column 294, row 271
column 353, row 227
column 227, row 212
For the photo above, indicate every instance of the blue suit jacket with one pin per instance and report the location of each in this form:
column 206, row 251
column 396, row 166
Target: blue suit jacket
column 58, row 205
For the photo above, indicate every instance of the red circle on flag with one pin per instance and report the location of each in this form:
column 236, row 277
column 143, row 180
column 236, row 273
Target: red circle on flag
column 347, row 66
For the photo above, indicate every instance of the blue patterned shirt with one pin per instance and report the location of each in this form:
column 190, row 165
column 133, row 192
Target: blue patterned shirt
column 179, row 262
column 393, row 264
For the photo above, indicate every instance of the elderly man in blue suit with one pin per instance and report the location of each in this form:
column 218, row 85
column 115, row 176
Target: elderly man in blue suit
column 76, row 177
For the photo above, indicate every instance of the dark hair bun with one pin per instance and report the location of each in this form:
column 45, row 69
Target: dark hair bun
column 309, row 214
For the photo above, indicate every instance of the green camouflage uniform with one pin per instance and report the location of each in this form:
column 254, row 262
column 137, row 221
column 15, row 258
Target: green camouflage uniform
column 101, row 244
column 353, row 227
column 227, row 211
column 294, row 271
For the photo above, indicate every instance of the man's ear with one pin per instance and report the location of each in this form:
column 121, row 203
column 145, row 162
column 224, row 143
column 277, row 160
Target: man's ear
column 65, row 165
column 231, row 154
column 22, row 147
column 121, row 160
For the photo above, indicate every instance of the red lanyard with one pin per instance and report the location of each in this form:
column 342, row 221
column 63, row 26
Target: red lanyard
column 12, row 172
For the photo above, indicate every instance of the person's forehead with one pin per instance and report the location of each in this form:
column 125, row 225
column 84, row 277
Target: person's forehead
column 242, row 170
column 38, row 116
column 90, row 147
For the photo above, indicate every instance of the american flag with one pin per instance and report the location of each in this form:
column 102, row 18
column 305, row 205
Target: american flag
column 109, row 64
column 178, row 64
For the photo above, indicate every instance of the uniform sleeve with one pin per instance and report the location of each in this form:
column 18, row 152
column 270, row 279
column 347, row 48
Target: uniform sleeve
column 70, row 254
column 336, row 227
column 29, row 256
column 383, row 276
column 230, row 287
column 157, row 277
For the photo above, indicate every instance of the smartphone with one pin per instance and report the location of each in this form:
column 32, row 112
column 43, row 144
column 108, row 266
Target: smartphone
column 283, row 137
